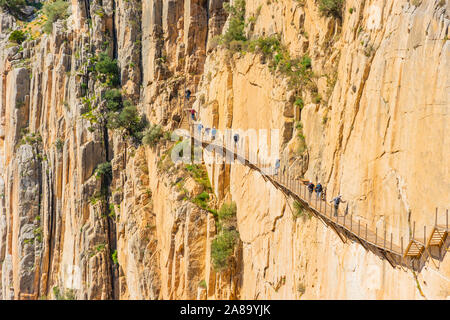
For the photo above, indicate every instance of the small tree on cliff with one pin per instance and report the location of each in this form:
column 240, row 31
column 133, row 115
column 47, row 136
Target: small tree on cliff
column 13, row 7
column 54, row 11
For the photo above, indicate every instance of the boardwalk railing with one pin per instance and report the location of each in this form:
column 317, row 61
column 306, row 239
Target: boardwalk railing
column 339, row 220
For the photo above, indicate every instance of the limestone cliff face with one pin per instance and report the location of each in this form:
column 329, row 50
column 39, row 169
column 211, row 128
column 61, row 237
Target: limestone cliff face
column 374, row 118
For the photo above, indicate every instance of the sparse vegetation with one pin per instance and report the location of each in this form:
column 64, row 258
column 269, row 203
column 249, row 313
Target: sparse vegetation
column 227, row 211
column 301, row 138
column 199, row 174
column 68, row 294
column 113, row 99
column 300, row 211
column 152, row 135
column 107, row 69
column 114, row 257
column 222, row 247
column 235, row 32
column 17, row 36
column 59, row 144
column 103, row 170
column 128, row 120
column 331, row 8
column 14, row 7
column 54, row 11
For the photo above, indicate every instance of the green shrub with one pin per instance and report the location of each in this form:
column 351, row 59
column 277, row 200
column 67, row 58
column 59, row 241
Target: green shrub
column 127, row 119
column 108, row 69
column 152, row 135
column 17, row 36
column 234, row 36
column 14, row 7
column 201, row 200
column 103, row 169
column 199, row 174
column 59, row 144
column 54, row 11
column 222, row 248
column 114, row 257
column 331, row 8
column 299, row 103
column 68, row 294
column 113, row 99
column 227, row 211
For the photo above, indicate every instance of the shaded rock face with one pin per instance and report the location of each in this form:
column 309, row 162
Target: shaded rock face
column 374, row 124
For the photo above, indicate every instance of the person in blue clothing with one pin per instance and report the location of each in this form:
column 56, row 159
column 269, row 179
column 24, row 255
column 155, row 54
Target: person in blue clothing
column 188, row 94
column 318, row 190
column 277, row 166
column 213, row 133
column 336, row 201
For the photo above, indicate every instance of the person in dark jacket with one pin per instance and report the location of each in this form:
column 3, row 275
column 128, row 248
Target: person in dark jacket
column 188, row 94
column 318, row 190
column 236, row 138
column 310, row 189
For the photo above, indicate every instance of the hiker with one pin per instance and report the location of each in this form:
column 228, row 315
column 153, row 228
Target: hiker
column 192, row 114
column 318, row 190
column 336, row 202
column 213, row 133
column 236, row 138
column 277, row 166
column 310, row 189
column 188, row 94
column 199, row 128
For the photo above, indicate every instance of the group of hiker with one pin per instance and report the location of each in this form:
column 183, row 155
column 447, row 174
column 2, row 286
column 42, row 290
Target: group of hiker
column 319, row 192
column 209, row 132
column 311, row 187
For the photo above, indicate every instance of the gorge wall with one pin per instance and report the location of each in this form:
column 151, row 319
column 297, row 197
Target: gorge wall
column 370, row 122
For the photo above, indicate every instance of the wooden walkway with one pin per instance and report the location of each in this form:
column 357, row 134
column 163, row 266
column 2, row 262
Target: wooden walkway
column 375, row 240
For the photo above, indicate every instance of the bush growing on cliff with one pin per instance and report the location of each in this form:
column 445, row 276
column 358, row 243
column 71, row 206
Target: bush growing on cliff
column 103, row 169
column 68, row 294
column 152, row 135
column 234, row 37
column 108, row 69
column 222, row 249
column 227, row 211
column 128, row 120
column 54, row 11
column 199, row 174
column 13, row 7
column 114, row 257
column 113, row 99
column 17, row 36
column 331, row 8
